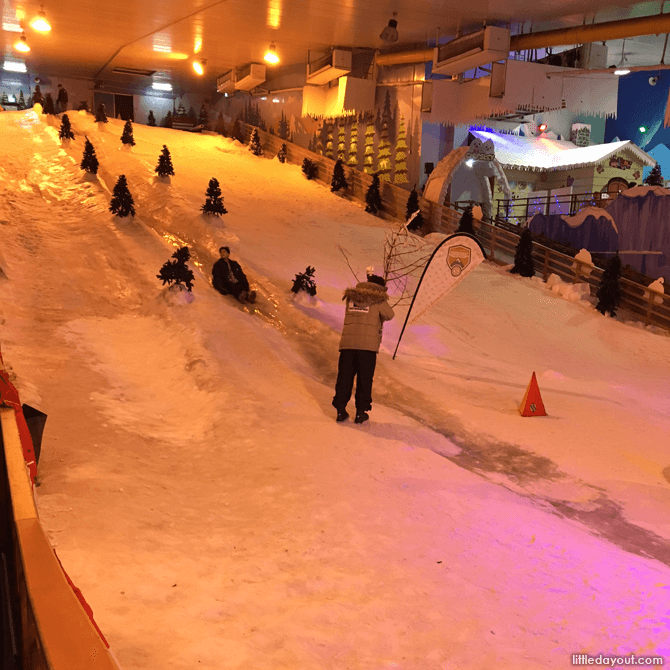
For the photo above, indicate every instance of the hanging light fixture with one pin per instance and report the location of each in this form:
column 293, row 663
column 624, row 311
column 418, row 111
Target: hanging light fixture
column 621, row 68
column 21, row 44
column 271, row 55
column 40, row 22
column 199, row 66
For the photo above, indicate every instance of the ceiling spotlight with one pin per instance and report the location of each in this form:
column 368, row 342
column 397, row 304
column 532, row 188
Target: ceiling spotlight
column 199, row 66
column 390, row 33
column 643, row 129
column 271, row 55
column 542, row 127
column 40, row 22
column 21, row 44
column 653, row 81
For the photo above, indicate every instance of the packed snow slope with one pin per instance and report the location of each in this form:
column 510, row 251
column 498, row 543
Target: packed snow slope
column 199, row 492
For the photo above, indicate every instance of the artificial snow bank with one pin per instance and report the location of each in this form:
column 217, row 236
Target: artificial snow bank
column 200, row 493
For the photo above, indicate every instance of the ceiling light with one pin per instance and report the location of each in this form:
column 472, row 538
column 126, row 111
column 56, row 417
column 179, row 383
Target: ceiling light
column 643, row 129
column 199, row 66
column 21, row 44
column 271, row 55
column 159, row 86
column 14, row 66
column 390, row 33
column 40, row 22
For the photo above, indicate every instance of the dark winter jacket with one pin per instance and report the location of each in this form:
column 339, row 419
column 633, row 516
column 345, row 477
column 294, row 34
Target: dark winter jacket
column 62, row 96
column 222, row 281
column 367, row 309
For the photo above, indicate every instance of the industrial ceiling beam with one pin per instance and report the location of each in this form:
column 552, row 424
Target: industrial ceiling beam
column 595, row 32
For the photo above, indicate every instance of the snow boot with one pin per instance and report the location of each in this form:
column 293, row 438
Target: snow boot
column 342, row 415
column 361, row 417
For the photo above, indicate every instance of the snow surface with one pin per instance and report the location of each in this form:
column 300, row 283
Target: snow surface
column 199, row 492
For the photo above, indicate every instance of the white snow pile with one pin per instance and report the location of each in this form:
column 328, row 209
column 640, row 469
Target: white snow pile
column 657, row 287
column 574, row 292
column 585, row 262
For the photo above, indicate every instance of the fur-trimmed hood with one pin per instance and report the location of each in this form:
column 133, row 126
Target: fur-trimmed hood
column 366, row 293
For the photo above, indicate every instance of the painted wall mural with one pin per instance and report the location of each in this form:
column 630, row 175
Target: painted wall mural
column 386, row 141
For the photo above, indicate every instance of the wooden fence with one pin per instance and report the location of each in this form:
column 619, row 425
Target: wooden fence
column 499, row 243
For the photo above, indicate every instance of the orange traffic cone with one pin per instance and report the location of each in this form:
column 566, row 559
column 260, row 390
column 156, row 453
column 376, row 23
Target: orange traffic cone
column 532, row 404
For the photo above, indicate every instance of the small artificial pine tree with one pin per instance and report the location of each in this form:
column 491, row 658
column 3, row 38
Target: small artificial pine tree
column 203, row 118
column 236, row 132
column 214, row 202
column 304, row 281
column 412, row 203
column 83, row 106
column 373, row 198
column 151, row 121
column 4, row 100
column 89, row 161
column 122, row 202
column 255, row 143
column 164, row 167
column 37, row 96
column 127, row 134
column 281, row 154
column 65, row 132
column 523, row 256
column 309, row 169
column 191, row 112
column 167, row 121
column 465, row 224
column 221, row 125
column 416, row 223
column 339, row 181
column 655, row 178
column 177, row 272
column 22, row 101
column 609, row 290
column 100, row 114
column 49, row 105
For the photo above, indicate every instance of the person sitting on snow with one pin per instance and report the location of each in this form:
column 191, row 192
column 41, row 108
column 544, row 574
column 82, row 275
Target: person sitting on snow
column 229, row 278
column 366, row 310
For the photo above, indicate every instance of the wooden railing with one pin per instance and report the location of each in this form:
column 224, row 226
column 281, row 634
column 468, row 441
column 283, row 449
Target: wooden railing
column 499, row 243
column 54, row 631
column 500, row 246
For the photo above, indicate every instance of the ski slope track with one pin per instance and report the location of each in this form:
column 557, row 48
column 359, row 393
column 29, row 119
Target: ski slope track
column 198, row 490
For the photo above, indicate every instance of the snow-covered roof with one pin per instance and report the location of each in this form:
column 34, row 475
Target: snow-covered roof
column 542, row 154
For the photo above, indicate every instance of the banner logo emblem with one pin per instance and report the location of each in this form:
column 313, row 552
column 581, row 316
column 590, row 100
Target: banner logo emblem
column 458, row 258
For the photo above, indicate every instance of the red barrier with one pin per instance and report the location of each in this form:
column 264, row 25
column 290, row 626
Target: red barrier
column 9, row 397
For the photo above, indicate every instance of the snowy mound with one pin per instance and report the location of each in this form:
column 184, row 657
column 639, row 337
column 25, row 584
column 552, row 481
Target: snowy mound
column 596, row 212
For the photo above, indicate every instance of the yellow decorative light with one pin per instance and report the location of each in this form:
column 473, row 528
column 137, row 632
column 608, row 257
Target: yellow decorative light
column 21, row 44
column 199, row 66
column 271, row 55
column 40, row 23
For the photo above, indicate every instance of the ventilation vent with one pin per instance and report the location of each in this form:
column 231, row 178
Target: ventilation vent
column 135, row 72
